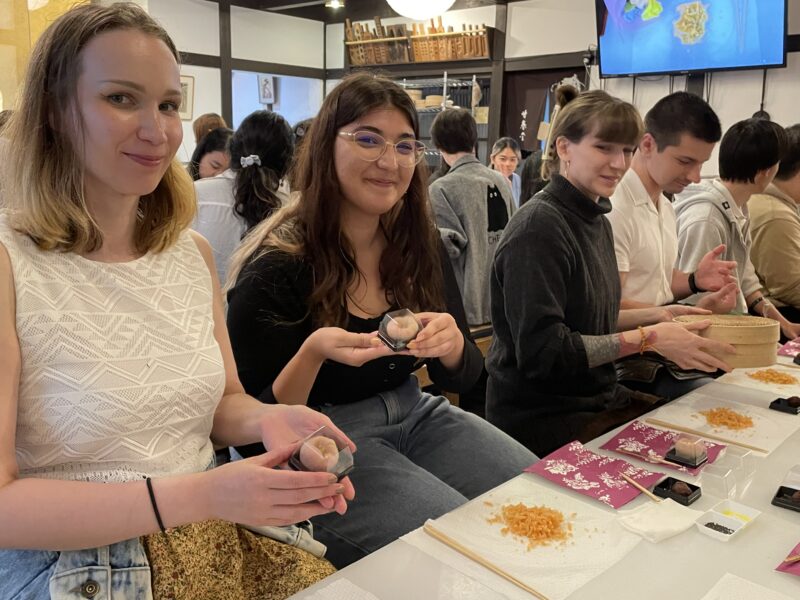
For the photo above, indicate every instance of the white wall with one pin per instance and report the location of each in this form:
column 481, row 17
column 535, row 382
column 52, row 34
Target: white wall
column 334, row 46
column 192, row 24
column 297, row 98
column 270, row 37
column 539, row 27
column 207, row 98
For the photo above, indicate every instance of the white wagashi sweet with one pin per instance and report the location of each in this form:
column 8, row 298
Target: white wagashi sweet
column 319, row 454
column 402, row 328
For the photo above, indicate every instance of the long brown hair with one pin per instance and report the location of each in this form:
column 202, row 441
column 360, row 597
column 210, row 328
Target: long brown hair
column 45, row 172
column 309, row 227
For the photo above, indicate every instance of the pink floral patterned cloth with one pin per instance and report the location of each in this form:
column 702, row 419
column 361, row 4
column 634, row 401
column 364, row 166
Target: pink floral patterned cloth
column 792, row 568
column 593, row 475
column 639, row 438
column 790, row 348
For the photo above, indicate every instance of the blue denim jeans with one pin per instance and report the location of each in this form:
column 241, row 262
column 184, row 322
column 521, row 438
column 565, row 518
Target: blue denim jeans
column 116, row 572
column 418, row 457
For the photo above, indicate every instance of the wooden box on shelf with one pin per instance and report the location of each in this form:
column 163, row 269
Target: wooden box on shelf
column 396, row 44
column 436, row 44
column 380, row 46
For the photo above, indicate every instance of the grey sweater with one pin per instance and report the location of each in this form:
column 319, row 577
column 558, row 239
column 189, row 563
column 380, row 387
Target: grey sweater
column 472, row 205
column 706, row 217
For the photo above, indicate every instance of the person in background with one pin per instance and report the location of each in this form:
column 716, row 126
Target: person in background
column 472, row 205
column 205, row 124
column 715, row 212
column 504, row 158
column 316, row 280
column 211, row 155
column 775, row 228
column 531, row 181
column 245, row 194
column 111, row 399
column 681, row 131
column 556, row 293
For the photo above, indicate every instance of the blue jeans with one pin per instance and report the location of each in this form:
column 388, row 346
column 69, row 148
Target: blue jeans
column 116, row 572
column 418, row 458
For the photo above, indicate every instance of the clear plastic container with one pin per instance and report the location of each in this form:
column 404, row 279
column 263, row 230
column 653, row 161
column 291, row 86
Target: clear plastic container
column 718, row 480
column 743, row 464
column 398, row 328
column 323, row 450
column 726, row 520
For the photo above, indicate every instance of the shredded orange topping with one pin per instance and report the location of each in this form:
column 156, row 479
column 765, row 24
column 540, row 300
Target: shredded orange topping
column 539, row 525
column 725, row 417
column 773, row 376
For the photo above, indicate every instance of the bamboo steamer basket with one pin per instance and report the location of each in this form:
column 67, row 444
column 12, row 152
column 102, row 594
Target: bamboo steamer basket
column 755, row 338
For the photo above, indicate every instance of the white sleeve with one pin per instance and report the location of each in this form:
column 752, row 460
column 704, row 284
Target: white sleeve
column 621, row 224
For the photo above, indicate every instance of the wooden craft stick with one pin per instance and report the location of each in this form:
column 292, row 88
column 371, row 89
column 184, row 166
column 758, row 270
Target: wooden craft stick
column 448, row 541
column 641, row 488
column 710, row 436
column 793, row 559
column 648, row 458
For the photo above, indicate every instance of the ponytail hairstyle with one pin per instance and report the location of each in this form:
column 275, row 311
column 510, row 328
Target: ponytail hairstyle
column 261, row 152
column 597, row 113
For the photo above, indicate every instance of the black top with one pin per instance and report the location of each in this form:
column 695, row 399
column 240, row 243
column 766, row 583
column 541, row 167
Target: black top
column 268, row 321
column 554, row 278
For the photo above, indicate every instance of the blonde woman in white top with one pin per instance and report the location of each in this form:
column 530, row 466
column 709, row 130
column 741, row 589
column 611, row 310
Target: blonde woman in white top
column 117, row 373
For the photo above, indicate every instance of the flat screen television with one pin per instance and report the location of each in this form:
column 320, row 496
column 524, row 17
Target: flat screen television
column 654, row 37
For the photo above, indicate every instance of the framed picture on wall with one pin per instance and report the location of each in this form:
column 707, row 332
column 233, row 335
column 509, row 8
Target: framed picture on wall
column 266, row 89
column 187, row 98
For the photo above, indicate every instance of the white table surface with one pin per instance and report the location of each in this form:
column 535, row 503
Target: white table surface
column 685, row 566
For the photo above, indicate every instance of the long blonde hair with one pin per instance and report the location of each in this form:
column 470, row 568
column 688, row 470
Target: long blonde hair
column 45, row 176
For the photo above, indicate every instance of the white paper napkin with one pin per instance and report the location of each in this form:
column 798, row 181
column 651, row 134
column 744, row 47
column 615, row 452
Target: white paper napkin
column 657, row 521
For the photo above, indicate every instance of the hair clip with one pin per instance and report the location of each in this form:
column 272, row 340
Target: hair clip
column 248, row 161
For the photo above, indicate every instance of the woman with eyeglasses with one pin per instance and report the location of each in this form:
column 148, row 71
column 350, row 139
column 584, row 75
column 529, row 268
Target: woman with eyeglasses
column 310, row 287
column 504, row 158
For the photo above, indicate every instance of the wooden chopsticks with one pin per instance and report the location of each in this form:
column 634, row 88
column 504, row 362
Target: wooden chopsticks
column 640, row 487
column 448, row 541
column 703, row 434
column 655, row 459
column 792, row 559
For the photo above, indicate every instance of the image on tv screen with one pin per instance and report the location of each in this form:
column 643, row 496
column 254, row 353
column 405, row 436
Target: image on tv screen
column 638, row 37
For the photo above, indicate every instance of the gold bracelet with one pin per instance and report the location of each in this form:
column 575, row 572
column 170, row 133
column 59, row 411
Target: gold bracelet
column 644, row 346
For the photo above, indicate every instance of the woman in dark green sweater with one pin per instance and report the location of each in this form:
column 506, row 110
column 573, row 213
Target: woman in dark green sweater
column 555, row 293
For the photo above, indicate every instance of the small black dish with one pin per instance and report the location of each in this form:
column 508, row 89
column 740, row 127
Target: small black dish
column 797, row 359
column 783, row 498
column 665, row 490
column 789, row 405
column 672, row 456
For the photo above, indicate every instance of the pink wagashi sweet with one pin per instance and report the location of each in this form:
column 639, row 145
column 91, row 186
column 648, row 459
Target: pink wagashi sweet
column 319, row 454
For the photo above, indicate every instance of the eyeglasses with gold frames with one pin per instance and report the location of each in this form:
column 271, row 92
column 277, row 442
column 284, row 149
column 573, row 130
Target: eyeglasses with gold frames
column 370, row 146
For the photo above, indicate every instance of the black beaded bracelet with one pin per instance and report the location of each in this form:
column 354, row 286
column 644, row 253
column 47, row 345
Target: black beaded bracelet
column 155, row 506
column 693, row 285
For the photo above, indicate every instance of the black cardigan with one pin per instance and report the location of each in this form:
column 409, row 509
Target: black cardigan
column 268, row 321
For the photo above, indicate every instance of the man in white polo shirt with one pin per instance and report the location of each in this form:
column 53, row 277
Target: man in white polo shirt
column 680, row 133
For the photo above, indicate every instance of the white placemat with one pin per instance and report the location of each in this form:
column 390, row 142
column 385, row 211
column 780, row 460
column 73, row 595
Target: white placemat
column 732, row 587
column 342, row 589
column 770, row 428
column 597, row 542
column 740, row 377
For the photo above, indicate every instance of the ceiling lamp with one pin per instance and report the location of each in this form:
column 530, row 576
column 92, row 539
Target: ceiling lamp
column 420, row 10
column 334, row 4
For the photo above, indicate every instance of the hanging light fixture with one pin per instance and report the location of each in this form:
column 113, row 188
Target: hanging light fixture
column 334, row 4
column 420, row 10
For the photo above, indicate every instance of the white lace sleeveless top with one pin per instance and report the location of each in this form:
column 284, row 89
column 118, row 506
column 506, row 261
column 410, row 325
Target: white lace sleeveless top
column 121, row 373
